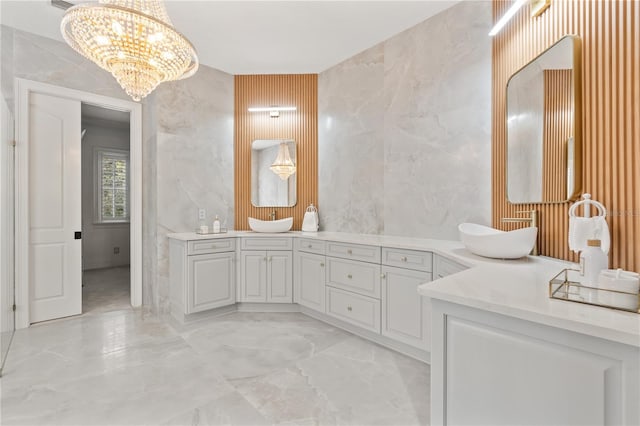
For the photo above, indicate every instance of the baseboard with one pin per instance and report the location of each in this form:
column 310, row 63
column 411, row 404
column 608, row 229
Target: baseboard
column 184, row 319
column 267, row 307
column 410, row 351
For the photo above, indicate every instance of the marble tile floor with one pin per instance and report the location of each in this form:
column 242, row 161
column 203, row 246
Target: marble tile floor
column 105, row 290
column 124, row 368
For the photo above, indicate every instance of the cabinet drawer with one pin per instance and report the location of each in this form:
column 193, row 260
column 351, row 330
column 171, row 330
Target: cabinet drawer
column 360, row 277
column 410, row 259
column 266, row 243
column 217, row 245
column 354, row 252
column 310, row 245
column 444, row 267
column 353, row 308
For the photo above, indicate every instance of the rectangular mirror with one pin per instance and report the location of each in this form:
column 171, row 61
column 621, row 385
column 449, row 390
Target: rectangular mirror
column 273, row 173
column 544, row 126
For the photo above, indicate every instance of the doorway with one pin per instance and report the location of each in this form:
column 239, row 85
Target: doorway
column 105, row 144
column 48, row 254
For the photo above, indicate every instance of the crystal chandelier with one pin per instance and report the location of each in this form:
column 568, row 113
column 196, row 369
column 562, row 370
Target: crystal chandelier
column 283, row 166
column 133, row 40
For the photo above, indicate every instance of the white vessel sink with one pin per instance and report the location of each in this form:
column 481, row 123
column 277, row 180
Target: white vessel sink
column 490, row 242
column 281, row 225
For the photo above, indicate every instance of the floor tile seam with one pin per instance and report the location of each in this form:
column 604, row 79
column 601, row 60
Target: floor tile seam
column 334, row 411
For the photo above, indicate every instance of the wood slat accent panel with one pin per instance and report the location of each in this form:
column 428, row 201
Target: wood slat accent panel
column 558, row 128
column 610, row 32
column 299, row 90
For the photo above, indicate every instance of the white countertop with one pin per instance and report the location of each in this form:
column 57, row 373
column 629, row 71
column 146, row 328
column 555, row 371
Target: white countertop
column 517, row 288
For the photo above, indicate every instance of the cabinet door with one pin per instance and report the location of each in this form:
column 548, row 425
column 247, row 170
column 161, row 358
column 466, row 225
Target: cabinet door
column 405, row 314
column 280, row 276
column 253, row 271
column 310, row 280
column 211, row 281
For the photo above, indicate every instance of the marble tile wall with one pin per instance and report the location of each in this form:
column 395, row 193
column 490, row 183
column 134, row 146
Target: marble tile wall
column 404, row 130
column 351, row 145
column 194, row 159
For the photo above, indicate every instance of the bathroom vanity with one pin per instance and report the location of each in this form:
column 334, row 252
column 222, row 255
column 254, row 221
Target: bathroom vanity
column 362, row 283
column 501, row 351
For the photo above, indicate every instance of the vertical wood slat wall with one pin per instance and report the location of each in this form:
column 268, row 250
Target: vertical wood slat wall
column 299, row 90
column 557, row 129
column 610, row 32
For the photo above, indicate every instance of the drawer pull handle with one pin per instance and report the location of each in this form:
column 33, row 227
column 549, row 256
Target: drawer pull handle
column 404, row 258
column 383, row 276
column 349, row 251
column 265, row 259
column 310, row 246
column 440, row 276
column 349, row 276
column 349, row 308
column 322, row 265
column 270, row 258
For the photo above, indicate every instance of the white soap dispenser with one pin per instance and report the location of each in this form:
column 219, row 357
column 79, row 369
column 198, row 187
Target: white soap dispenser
column 216, row 225
column 592, row 261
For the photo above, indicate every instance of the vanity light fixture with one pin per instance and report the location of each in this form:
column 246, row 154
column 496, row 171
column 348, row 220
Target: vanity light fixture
column 132, row 39
column 507, row 16
column 283, row 166
column 274, row 111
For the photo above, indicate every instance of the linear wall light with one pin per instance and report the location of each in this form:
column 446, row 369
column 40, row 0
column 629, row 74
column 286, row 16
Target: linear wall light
column 507, row 16
column 273, row 108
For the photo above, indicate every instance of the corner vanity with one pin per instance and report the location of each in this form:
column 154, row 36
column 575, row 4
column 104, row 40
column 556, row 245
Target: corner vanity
column 501, row 352
column 365, row 284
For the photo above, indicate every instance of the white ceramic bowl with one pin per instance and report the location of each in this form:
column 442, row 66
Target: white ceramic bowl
column 496, row 244
column 281, row 225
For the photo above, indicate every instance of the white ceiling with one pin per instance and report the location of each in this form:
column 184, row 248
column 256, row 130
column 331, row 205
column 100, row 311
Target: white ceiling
column 263, row 37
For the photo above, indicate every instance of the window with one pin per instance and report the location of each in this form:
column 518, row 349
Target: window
column 112, row 186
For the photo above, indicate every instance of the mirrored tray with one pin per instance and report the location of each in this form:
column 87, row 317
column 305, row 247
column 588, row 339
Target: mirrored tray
column 565, row 286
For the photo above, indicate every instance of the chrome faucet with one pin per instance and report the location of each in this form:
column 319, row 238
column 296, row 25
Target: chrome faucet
column 272, row 215
column 532, row 220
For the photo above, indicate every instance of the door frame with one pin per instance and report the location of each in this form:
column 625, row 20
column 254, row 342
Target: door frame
column 23, row 88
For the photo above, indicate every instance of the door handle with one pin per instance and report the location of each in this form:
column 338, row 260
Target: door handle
column 77, row 235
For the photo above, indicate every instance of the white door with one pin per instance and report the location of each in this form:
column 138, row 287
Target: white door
column 280, row 276
column 55, row 251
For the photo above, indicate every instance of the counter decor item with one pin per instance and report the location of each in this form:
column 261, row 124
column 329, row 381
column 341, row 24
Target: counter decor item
column 311, row 222
column 566, row 286
column 586, row 227
column 216, row 225
column 592, row 261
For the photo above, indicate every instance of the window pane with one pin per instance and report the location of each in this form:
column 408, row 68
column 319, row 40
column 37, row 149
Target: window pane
column 121, row 212
column 120, row 197
column 107, row 204
column 113, row 169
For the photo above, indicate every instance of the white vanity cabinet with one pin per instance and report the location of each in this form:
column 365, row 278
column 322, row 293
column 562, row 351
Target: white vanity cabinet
column 406, row 316
column 494, row 369
column 353, row 286
column 310, row 274
column 202, row 275
column 266, row 270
